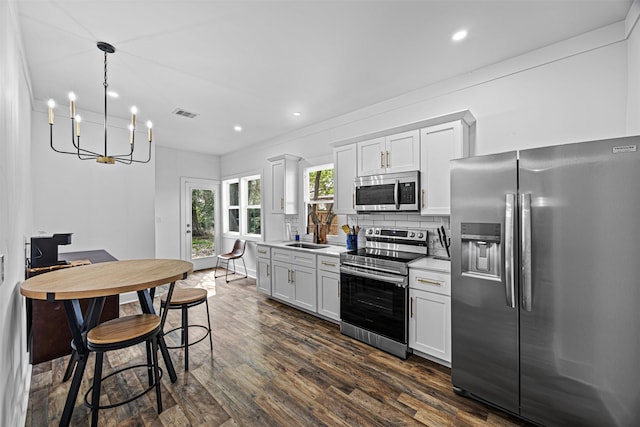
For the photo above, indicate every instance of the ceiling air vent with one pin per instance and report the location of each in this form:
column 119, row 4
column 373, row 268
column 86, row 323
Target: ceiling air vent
column 184, row 113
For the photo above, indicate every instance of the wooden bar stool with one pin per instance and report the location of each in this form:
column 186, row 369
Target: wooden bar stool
column 117, row 334
column 184, row 299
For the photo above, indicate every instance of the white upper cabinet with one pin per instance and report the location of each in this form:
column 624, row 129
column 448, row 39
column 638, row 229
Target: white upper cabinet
column 371, row 157
column 344, row 175
column 440, row 144
column 390, row 154
column 284, row 184
column 403, row 152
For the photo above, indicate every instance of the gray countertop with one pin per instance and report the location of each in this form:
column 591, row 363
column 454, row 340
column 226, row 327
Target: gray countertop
column 330, row 250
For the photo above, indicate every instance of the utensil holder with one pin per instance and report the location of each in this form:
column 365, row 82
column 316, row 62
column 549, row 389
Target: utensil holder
column 352, row 242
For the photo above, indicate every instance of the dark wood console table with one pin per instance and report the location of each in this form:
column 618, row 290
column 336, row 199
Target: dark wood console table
column 46, row 338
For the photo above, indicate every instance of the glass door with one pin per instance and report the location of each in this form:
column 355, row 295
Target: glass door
column 199, row 220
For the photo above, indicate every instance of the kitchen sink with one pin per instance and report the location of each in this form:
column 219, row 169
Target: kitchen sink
column 306, row 245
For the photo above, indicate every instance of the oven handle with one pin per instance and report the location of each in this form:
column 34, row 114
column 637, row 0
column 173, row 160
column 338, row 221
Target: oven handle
column 381, row 277
column 358, row 267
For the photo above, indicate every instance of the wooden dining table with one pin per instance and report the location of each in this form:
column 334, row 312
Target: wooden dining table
column 97, row 282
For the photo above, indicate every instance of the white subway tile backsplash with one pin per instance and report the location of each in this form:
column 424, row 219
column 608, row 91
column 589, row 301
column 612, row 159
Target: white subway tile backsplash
column 395, row 217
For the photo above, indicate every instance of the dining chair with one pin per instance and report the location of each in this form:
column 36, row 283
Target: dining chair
column 236, row 252
column 184, row 299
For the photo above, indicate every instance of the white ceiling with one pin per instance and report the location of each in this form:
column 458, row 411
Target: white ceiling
column 253, row 63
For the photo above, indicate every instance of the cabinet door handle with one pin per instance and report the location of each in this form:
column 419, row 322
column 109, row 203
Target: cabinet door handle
column 353, row 200
column 338, row 288
column 382, row 159
column 423, row 198
column 262, row 252
column 281, row 202
column 293, row 277
column 288, row 276
column 330, row 264
column 431, row 282
column 411, row 307
column 387, row 159
column 268, row 268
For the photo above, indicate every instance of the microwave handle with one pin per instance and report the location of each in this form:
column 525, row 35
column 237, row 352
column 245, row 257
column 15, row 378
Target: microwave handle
column 396, row 197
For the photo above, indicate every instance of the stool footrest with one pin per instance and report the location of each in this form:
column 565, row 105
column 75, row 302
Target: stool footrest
column 131, row 399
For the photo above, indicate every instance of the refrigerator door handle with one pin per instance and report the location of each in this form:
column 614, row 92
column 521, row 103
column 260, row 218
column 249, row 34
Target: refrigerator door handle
column 509, row 249
column 525, row 212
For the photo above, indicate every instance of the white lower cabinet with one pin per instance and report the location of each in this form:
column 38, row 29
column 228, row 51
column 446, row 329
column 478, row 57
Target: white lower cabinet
column 263, row 269
column 294, row 277
column 430, row 314
column 329, row 287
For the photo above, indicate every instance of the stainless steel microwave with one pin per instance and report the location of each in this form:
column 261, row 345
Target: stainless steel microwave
column 392, row 192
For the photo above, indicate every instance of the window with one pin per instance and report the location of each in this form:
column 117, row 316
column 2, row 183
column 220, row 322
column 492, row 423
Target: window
column 253, row 211
column 319, row 199
column 243, row 206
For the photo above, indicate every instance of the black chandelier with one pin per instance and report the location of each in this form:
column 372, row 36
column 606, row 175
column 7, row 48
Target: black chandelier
column 83, row 153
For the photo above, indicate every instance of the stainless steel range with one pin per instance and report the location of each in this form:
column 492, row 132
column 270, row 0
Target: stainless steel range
column 374, row 293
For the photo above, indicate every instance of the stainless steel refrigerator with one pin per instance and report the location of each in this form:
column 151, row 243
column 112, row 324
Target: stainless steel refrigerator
column 546, row 282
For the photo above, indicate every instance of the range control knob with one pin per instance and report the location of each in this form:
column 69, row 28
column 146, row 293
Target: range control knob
column 420, row 235
column 412, row 234
column 377, row 231
column 370, row 231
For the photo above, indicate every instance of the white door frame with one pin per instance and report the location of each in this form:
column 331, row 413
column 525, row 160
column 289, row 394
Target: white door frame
column 186, row 186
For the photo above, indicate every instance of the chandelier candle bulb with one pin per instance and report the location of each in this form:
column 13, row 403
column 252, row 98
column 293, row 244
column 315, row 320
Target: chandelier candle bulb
column 52, row 105
column 131, row 129
column 149, row 131
column 78, row 120
column 134, row 111
column 72, row 106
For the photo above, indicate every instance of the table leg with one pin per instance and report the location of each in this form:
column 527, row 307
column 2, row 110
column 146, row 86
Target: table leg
column 147, row 307
column 79, row 326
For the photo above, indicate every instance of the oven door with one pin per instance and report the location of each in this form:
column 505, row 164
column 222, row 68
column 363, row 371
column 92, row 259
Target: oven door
column 374, row 301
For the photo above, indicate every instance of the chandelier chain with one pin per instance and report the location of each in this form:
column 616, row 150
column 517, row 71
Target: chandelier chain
column 106, row 85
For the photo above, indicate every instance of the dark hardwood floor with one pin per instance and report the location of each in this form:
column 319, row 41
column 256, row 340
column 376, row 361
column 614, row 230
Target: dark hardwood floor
column 271, row 365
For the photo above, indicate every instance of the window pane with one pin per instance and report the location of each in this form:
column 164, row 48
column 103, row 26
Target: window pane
column 253, row 218
column 233, row 194
column 321, row 185
column 202, row 218
column 253, row 187
column 322, row 213
column 234, row 219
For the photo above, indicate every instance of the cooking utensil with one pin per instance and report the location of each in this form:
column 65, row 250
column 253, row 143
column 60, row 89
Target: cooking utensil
column 440, row 237
column 447, row 241
column 346, row 229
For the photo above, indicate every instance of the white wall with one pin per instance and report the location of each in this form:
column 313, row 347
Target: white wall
column 574, row 90
column 109, row 207
column 15, row 217
column 171, row 165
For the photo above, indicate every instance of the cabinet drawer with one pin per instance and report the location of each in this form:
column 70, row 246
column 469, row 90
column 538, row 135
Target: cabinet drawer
column 293, row 256
column 430, row 281
column 304, row 259
column 329, row 263
column 263, row 251
column 281, row 255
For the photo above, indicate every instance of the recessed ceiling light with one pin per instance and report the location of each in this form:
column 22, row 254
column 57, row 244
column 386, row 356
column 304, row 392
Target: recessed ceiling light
column 297, row 113
column 237, row 128
column 460, row 35
column 113, row 94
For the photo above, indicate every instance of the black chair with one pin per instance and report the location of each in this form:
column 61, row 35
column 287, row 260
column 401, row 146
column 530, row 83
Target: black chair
column 184, row 299
column 236, row 252
column 117, row 334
